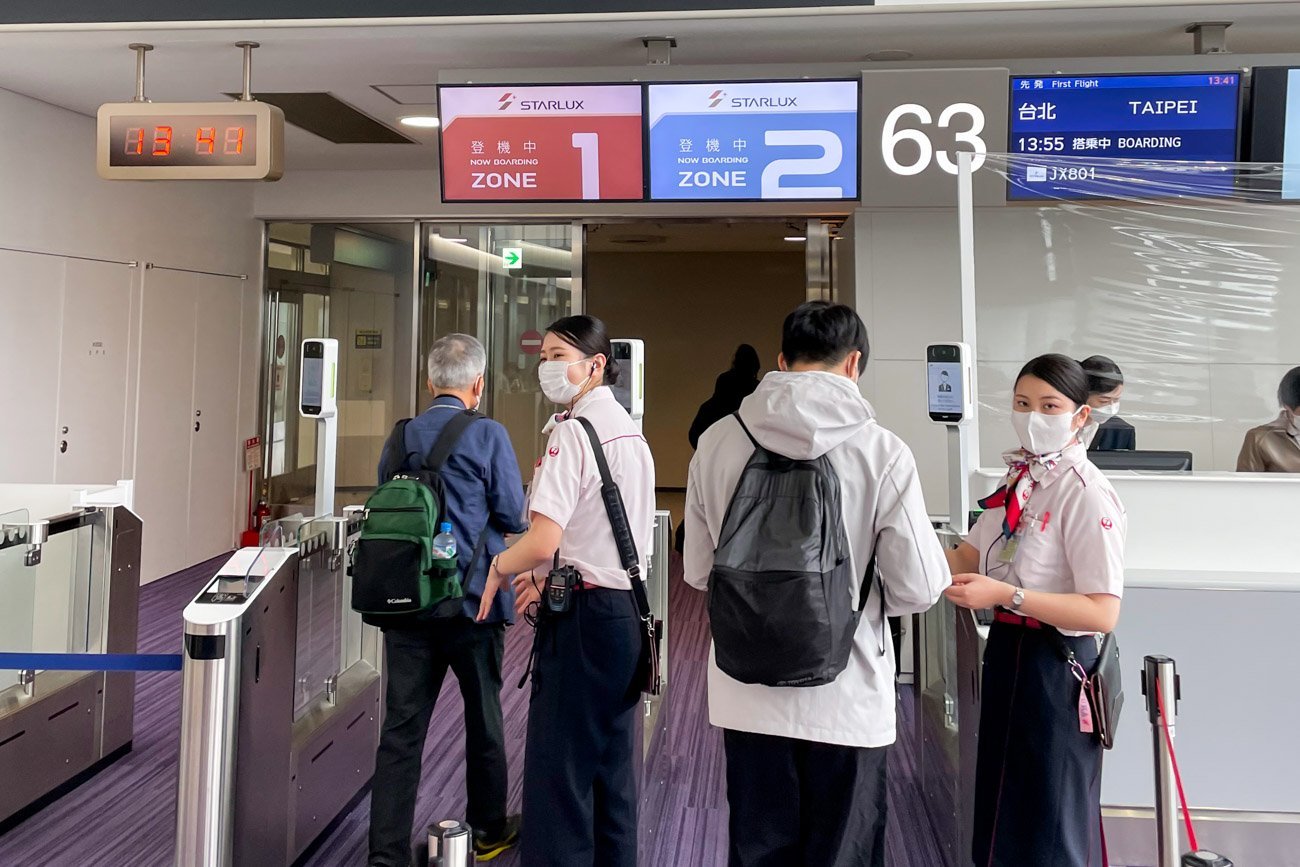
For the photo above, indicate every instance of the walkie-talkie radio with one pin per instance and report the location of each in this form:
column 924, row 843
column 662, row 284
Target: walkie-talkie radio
column 558, row 595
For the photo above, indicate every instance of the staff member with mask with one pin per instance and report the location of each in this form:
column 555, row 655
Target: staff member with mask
column 1106, row 431
column 579, row 790
column 1048, row 554
column 1275, row 447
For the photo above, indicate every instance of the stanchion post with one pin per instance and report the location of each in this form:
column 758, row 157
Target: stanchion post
column 1161, row 670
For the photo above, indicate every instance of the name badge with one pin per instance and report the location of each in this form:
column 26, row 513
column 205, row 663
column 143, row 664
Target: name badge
column 1008, row 552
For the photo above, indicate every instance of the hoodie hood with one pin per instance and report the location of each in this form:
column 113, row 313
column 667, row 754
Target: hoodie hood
column 804, row 415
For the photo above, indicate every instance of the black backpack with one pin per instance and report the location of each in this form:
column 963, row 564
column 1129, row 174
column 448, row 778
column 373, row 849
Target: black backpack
column 394, row 576
column 780, row 593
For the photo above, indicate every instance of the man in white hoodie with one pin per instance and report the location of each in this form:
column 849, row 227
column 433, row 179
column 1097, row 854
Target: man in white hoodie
column 806, row 765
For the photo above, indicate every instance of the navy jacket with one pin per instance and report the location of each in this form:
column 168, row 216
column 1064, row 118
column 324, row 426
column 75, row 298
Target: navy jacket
column 483, row 490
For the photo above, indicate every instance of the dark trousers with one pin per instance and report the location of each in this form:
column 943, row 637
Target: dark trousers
column 799, row 803
column 416, row 661
column 580, row 792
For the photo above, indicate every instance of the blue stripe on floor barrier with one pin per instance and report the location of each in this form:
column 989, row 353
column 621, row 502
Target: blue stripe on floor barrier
column 92, row 661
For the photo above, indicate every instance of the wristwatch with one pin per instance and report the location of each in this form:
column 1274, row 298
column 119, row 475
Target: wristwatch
column 1017, row 598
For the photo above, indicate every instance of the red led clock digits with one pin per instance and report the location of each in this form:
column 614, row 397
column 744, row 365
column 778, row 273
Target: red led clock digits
column 162, row 141
column 205, row 140
column 234, row 141
column 134, row 141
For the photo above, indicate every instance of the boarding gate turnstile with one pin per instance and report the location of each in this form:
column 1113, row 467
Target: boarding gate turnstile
column 281, row 699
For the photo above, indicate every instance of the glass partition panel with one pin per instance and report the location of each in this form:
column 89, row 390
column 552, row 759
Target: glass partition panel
column 1176, row 279
column 353, row 282
column 320, row 614
column 46, row 606
column 503, row 284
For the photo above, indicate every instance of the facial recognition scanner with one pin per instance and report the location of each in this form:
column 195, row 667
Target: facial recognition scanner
column 950, row 401
column 318, row 399
column 630, row 391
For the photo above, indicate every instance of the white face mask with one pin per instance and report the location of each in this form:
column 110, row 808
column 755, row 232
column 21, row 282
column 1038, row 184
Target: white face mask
column 1043, row 434
column 1101, row 413
column 554, row 379
column 1294, row 428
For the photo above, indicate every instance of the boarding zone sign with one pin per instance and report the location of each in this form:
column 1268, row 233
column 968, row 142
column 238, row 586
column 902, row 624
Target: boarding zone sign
column 538, row 144
column 754, row 141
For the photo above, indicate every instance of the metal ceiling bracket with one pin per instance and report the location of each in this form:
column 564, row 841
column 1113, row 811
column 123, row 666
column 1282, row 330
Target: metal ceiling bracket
column 247, row 95
column 658, row 50
column 140, row 49
column 1209, row 37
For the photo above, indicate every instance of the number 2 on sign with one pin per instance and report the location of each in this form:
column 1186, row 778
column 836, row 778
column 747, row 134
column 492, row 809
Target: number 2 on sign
column 588, row 145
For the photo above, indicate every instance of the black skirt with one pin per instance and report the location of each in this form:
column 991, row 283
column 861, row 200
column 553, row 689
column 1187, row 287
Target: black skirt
column 1038, row 778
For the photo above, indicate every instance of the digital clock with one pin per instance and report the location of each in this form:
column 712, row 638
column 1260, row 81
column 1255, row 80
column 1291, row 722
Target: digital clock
column 241, row 140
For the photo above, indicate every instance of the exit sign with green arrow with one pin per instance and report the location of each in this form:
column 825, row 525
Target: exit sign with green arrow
column 512, row 258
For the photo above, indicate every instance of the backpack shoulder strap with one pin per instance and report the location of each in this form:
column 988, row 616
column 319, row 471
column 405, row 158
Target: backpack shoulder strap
column 447, row 440
column 740, row 421
column 395, row 450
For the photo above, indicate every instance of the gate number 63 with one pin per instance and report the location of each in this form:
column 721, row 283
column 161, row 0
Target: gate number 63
column 891, row 136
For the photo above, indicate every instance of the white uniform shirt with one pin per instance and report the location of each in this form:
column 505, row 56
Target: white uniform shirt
column 1070, row 537
column 566, row 489
column 803, row 416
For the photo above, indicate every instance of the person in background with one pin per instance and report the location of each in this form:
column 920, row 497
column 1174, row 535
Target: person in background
column 580, row 797
column 806, row 765
column 1048, row 555
column 731, row 387
column 1275, row 447
column 1106, row 431
column 485, row 499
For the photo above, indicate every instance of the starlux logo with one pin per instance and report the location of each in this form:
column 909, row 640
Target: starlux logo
column 716, row 98
column 506, row 100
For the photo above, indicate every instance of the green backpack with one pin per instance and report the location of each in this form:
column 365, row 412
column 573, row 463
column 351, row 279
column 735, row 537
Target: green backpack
column 394, row 575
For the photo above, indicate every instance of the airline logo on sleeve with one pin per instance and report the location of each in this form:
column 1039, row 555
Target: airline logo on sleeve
column 1107, row 524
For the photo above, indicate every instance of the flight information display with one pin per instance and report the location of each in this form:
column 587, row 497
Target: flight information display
column 554, row 143
column 753, row 141
column 1275, row 126
column 1060, row 123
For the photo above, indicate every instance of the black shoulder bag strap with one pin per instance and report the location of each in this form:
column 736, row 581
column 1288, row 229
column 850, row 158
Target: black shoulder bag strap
column 647, row 678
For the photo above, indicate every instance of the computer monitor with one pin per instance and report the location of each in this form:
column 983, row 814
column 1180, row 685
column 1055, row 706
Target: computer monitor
column 1143, row 461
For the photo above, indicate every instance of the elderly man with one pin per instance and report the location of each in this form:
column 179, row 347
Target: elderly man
column 485, row 501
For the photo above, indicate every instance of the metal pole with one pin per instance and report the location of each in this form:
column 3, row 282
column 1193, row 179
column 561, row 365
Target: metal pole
column 140, row 48
column 1161, row 670
column 247, row 95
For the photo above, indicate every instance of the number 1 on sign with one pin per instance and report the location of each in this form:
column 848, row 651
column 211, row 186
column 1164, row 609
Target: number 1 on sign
column 588, row 145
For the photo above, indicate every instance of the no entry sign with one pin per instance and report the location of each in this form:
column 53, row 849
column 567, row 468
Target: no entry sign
column 530, row 343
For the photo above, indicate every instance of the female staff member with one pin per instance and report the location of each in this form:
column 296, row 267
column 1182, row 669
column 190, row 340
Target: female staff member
column 1106, row 432
column 1049, row 555
column 579, row 792
column 1275, row 447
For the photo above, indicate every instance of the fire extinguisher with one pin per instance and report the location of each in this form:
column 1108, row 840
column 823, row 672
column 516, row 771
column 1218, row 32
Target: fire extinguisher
column 257, row 519
column 262, row 513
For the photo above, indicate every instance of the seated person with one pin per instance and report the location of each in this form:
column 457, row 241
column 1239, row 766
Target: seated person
column 1106, row 432
column 1275, row 447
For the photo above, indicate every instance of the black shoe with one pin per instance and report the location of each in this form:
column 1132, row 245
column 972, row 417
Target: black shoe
column 489, row 845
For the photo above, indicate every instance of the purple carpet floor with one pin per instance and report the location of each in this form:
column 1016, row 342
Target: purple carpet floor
column 125, row 816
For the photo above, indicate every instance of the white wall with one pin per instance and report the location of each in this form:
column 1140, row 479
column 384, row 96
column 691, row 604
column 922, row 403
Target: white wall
column 75, row 335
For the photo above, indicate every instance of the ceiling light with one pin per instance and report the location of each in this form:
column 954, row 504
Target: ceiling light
column 421, row 121
column 796, row 238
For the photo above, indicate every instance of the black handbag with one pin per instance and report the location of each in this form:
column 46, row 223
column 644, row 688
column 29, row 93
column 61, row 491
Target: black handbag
column 1102, row 686
column 647, row 678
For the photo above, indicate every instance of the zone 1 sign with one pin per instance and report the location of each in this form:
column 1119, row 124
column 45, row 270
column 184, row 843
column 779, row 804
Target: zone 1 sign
column 916, row 121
